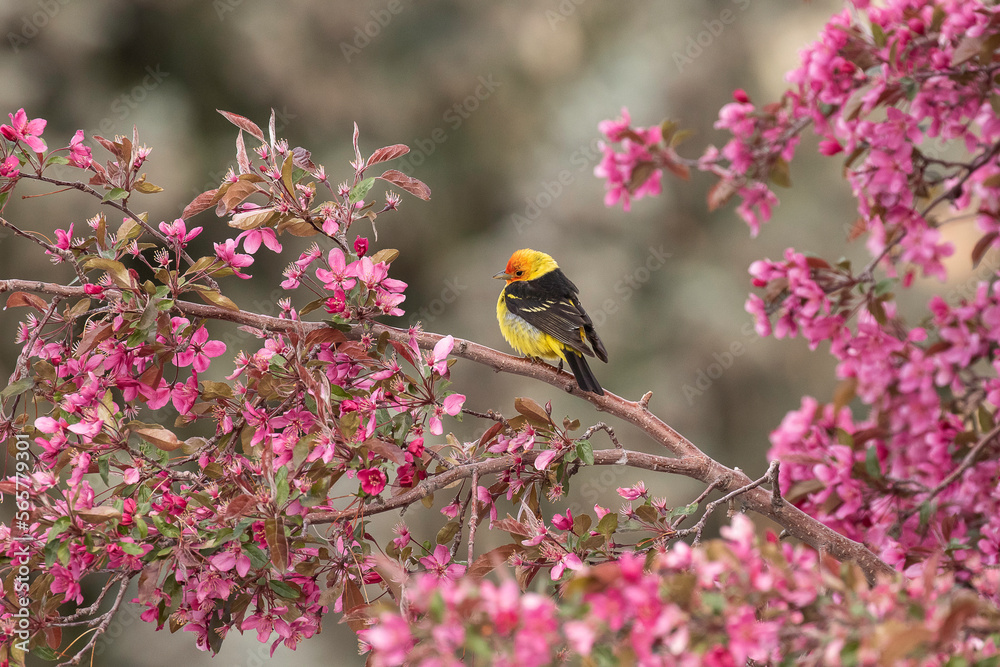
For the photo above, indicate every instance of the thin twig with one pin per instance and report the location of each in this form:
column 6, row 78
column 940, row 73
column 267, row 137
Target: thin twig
column 102, row 626
column 714, row 484
column 709, row 508
column 601, row 426
column 474, row 519
column 967, row 462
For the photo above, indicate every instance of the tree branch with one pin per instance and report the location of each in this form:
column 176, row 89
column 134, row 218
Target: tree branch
column 691, row 461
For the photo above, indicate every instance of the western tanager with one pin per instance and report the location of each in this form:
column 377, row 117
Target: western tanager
column 541, row 316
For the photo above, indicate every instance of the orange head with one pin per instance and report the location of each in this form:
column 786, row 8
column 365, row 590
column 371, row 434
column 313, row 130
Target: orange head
column 527, row 264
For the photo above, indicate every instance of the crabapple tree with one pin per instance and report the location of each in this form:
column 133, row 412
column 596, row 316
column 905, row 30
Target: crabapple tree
column 245, row 505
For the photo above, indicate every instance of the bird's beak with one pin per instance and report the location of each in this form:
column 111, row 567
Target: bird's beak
column 503, row 276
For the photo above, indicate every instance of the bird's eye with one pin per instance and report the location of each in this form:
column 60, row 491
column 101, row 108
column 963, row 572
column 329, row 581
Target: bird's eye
column 517, row 273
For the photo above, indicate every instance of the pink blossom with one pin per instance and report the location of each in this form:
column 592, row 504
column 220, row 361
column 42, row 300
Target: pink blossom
column 234, row 260
column 373, row 480
column 253, row 238
column 28, row 131
column 10, row 167
column 199, row 350
column 79, row 155
column 439, row 564
column 177, row 231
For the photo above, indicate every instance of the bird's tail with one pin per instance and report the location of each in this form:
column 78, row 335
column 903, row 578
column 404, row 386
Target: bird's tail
column 581, row 371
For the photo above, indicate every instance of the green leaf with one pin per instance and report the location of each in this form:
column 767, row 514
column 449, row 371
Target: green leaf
column 258, row 558
column 608, row 524
column 131, row 548
column 780, row 174
column 447, row 532
column 281, row 485
column 885, row 286
column 283, row 590
column 686, row 510
column 878, row 35
column 585, row 451
column 114, row 194
column 141, row 526
column 165, row 528
column 17, row 388
column 103, row 467
column 359, row 191
column 872, row 466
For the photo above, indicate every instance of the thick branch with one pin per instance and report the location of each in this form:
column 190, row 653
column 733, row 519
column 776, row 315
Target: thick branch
column 692, row 462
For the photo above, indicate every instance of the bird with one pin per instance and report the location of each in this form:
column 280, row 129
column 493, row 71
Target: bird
column 541, row 316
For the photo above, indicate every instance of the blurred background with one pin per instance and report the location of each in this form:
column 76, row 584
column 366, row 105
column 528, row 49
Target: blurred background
column 499, row 103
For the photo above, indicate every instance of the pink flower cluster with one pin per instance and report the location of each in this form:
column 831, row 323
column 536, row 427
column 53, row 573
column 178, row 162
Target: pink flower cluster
column 724, row 604
column 806, row 306
column 629, row 173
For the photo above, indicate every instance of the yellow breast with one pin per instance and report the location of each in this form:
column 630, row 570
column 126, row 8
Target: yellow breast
column 525, row 338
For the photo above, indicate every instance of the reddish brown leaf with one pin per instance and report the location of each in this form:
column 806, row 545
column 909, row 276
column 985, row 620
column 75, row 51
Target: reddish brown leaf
column 512, row 526
column 403, row 350
column 18, row 299
column 151, row 376
column 92, row 337
column 326, row 335
column 388, row 153
column 640, row 174
column 53, row 637
column 844, row 393
column 109, row 146
column 491, row 560
column 99, row 514
column 414, row 186
column 199, row 204
column 859, row 227
column 234, row 196
column 532, row 410
column 148, row 581
column 160, row 438
column 239, row 506
column 243, row 123
column 354, row 604
column 966, row 50
column 241, row 154
column 491, row 433
column 679, row 170
column 277, row 543
column 719, row 194
column 982, row 246
column 817, row 263
column 302, row 159
column 386, row 450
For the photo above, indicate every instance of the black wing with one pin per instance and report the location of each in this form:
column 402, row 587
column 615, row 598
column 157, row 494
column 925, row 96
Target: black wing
column 550, row 303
